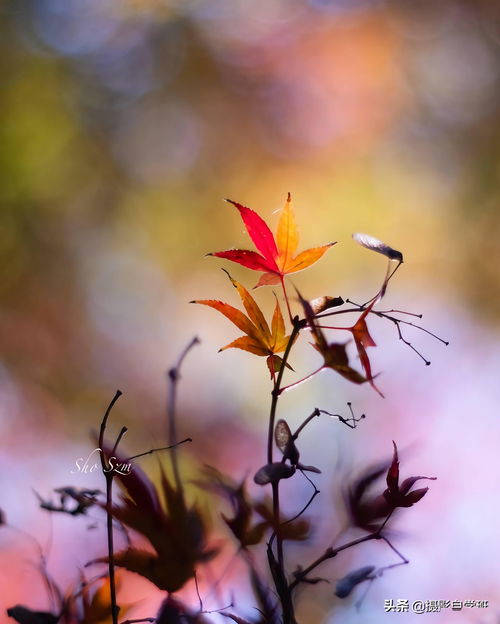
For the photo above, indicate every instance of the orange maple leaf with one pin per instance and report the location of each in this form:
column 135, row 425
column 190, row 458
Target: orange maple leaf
column 277, row 254
column 259, row 338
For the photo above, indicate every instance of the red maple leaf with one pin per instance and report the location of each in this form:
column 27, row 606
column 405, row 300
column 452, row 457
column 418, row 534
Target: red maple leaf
column 398, row 495
column 277, row 256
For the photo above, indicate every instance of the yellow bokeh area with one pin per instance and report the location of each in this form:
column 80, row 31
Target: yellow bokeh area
column 125, row 125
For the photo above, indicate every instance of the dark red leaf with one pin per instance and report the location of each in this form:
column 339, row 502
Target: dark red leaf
column 408, row 483
column 414, row 497
column 393, row 472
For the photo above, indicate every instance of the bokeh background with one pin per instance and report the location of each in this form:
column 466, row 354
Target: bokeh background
column 124, row 124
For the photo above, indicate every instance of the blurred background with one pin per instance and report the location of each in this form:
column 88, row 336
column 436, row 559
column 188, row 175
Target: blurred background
column 125, row 124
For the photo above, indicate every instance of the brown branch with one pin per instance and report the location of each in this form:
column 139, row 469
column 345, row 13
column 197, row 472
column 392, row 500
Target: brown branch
column 108, row 475
column 156, row 450
column 301, row 575
column 279, row 573
column 174, row 376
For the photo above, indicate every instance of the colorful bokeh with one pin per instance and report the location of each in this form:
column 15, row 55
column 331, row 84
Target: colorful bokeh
column 125, row 124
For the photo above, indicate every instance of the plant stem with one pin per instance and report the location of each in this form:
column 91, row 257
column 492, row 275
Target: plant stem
column 329, row 554
column 109, row 518
column 174, row 376
column 111, row 556
column 315, row 414
column 286, row 601
column 333, row 552
column 156, row 450
column 297, row 383
column 276, row 388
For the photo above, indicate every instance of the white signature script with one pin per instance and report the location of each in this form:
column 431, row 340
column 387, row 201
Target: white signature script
column 90, row 464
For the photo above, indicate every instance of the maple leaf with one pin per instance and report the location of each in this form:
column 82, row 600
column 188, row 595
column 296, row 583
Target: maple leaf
column 259, row 339
column 400, row 495
column 363, row 339
column 244, row 528
column 364, row 510
column 174, row 530
column 277, row 256
column 334, row 354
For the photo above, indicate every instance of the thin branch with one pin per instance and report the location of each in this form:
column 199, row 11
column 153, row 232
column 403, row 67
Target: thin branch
column 301, row 381
column 118, row 439
column 198, row 591
column 156, row 450
column 380, row 571
column 150, row 619
column 108, row 475
column 279, row 574
column 336, row 312
column 331, row 552
column 307, row 505
column 174, row 376
column 276, row 388
column 314, row 414
column 394, row 311
column 409, row 344
column 220, row 610
column 346, row 421
column 398, row 321
column 103, row 427
column 404, row 560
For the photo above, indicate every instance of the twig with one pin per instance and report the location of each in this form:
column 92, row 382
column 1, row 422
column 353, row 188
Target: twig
column 307, row 505
column 331, row 552
column 220, row 610
column 108, row 475
column 198, row 591
column 279, row 575
column 404, row 560
column 150, row 619
column 118, row 440
column 314, row 414
column 397, row 322
column 276, row 389
column 380, row 571
column 156, row 450
column 301, row 381
column 174, row 376
column 346, row 421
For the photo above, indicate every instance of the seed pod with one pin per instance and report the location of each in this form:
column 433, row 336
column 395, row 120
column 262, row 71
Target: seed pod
column 346, row 584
